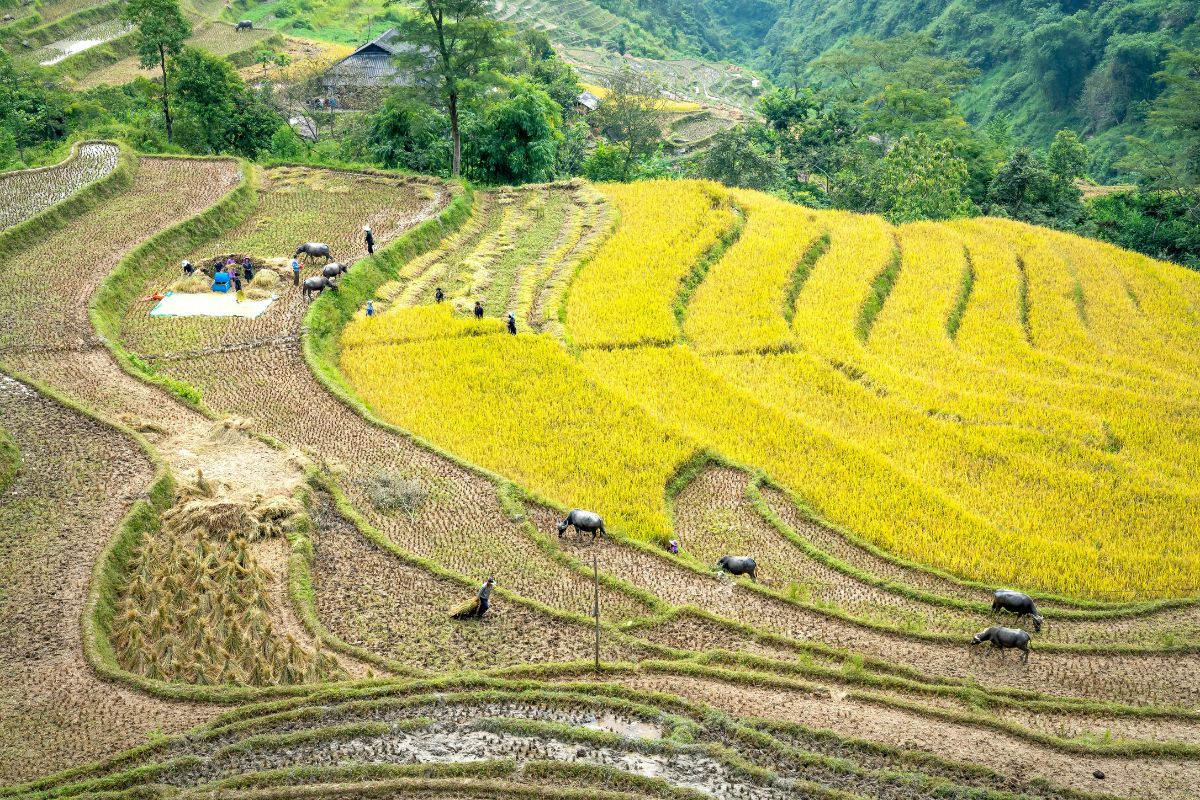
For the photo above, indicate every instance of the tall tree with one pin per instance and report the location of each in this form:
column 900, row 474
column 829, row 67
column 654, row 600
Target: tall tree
column 453, row 42
column 736, row 159
column 922, row 179
column 161, row 31
column 1171, row 160
column 630, row 115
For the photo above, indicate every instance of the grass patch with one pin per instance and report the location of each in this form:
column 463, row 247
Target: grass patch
column 800, row 275
column 881, row 288
column 954, row 321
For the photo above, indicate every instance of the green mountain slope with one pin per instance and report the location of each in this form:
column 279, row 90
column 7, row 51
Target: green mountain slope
column 1045, row 64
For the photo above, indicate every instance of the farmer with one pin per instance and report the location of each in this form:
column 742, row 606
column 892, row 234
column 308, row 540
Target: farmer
column 512, row 324
column 370, row 309
column 229, row 264
column 478, row 605
column 439, row 295
column 188, row 269
column 485, row 596
column 673, row 546
column 237, row 284
column 295, row 272
column 370, row 237
column 478, row 310
column 248, row 268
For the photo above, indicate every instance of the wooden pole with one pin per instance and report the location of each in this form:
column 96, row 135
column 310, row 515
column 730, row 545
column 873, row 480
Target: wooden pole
column 596, row 607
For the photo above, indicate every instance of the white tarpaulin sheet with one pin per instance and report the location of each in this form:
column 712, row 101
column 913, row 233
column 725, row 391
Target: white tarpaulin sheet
column 210, row 304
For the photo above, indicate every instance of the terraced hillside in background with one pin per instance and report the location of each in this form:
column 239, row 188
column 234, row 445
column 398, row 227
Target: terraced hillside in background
column 231, row 546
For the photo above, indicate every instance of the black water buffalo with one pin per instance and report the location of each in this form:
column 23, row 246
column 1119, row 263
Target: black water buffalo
column 1005, row 638
column 313, row 250
column 583, row 522
column 331, row 271
column 1020, row 604
column 739, row 565
column 317, row 284
column 244, row 25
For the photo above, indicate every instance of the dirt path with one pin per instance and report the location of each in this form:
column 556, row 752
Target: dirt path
column 1150, row 777
column 57, row 690
column 77, row 481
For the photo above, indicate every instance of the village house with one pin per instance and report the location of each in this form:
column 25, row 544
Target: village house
column 363, row 78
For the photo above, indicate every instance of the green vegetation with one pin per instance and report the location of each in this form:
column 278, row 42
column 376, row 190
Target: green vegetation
column 10, row 460
column 161, row 31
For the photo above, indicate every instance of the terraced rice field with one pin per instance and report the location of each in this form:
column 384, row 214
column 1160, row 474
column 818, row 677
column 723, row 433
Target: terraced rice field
column 79, row 41
column 28, row 192
column 705, row 365
column 217, row 38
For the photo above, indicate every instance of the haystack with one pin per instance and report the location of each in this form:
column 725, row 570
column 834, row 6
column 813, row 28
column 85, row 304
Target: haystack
column 466, row 610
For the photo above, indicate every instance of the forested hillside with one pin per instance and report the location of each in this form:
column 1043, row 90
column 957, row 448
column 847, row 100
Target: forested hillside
column 1044, row 64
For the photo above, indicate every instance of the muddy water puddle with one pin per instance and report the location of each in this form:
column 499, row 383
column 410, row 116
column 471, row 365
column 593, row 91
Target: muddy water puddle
column 448, row 742
column 629, row 728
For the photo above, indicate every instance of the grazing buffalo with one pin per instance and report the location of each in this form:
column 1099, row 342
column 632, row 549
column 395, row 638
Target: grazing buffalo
column 1004, row 638
column 318, row 284
column 583, row 522
column 1018, row 603
column 313, row 250
column 331, row 271
column 739, row 565
column 244, row 25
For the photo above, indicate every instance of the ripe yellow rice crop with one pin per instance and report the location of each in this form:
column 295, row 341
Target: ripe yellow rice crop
column 519, row 405
column 670, row 106
column 626, row 294
column 739, row 306
column 1012, row 405
column 400, row 325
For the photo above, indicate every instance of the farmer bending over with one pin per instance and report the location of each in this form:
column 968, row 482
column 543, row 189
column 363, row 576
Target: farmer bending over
column 478, row 605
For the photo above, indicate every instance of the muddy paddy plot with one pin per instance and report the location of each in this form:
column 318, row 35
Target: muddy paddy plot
column 371, row 599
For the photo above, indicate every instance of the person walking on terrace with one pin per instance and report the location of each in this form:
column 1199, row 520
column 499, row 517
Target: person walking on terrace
column 477, row 606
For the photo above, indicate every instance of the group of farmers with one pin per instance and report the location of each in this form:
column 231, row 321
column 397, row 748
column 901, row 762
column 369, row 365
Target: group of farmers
column 226, row 275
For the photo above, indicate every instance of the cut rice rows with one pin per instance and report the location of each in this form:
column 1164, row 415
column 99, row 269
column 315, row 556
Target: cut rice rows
column 26, row 193
column 698, row 364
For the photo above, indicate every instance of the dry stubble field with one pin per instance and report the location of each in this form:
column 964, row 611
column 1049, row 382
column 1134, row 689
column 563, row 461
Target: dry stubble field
column 394, row 530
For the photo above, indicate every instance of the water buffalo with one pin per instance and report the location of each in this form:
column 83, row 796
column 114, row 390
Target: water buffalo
column 739, row 565
column 333, row 270
column 583, row 522
column 244, row 25
column 1018, row 603
column 1003, row 638
column 313, row 250
column 318, row 284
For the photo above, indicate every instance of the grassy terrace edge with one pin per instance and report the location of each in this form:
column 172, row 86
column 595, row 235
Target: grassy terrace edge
column 683, row 721
column 88, row 197
column 118, row 290
column 142, row 517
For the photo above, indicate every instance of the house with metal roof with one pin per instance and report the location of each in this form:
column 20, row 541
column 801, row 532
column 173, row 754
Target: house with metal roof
column 586, row 102
column 361, row 79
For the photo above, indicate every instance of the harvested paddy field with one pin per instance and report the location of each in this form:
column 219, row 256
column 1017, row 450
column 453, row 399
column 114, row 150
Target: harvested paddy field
column 308, row 495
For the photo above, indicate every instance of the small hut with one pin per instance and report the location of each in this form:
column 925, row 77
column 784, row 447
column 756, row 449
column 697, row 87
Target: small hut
column 586, row 103
column 361, row 79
